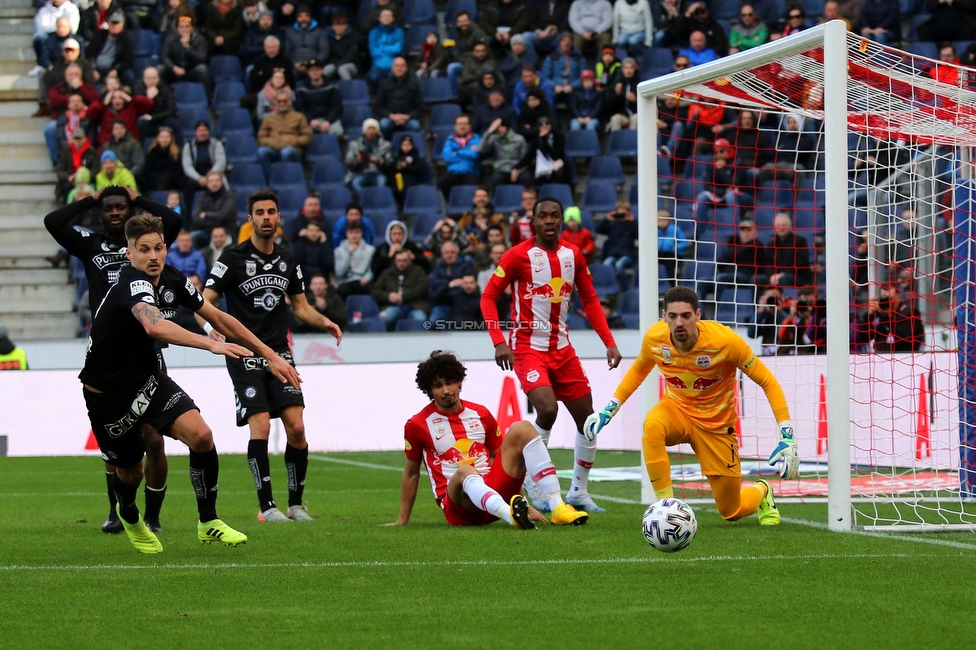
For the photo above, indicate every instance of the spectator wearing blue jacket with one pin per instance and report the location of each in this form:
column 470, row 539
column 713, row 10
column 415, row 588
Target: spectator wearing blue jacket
column 531, row 80
column 698, row 51
column 562, row 68
column 462, row 156
column 619, row 250
column 354, row 213
column 385, row 44
column 586, row 104
column 672, row 244
column 187, row 259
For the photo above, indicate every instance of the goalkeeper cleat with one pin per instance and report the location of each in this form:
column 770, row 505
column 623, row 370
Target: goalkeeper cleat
column 141, row 537
column 154, row 525
column 112, row 525
column 273, row 515
column 217, row 531
column 567, row 515
column 299, row 513
column 768, row 512
column 584, row 502
column 520, row 513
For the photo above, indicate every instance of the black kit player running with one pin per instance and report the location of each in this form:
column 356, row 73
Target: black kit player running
column 256, row 276
column 103, row 256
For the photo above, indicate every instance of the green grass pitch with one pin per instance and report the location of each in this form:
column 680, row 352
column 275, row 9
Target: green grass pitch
column 344, row 581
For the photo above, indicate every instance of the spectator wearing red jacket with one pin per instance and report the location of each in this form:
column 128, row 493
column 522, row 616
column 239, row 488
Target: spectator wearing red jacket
column 120, row 107
column 574, row 233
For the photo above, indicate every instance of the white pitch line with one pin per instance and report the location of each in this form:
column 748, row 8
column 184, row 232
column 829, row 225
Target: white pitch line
column 656, row 559
column 356, row 463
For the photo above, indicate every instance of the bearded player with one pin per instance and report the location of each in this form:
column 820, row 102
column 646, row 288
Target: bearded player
column 698, row 360
column 103, row 256
column 476, row 473
column 543, row 273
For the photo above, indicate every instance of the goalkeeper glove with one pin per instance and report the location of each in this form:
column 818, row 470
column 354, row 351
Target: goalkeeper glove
column 785, row 453
column 596, row 421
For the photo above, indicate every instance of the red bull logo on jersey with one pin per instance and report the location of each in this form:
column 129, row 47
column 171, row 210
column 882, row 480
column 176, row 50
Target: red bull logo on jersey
column 555, row 290
column 676, row 382
column 704, row 361
column 704, row 383
column 465, row 452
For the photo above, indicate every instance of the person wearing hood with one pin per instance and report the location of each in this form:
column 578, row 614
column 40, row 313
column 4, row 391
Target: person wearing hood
column 306, row 40
column 216, row 206
column 591, row 22
column 396, row 240
column 633, row 26
column 79, row 153
column 113, row 172
column 576, row 234
column 223, row 24
column 11, row 357
column 368, row 158
column 164, row 166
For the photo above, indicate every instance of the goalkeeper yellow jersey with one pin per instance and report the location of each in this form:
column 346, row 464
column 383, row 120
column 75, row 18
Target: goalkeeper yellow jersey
column 702, row 382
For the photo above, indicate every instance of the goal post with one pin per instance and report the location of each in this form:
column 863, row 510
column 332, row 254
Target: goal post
column 876, row 139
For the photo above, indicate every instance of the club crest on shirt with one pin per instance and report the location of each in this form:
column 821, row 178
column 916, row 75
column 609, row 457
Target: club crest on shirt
column 703, row 361
column 666, row 353
column 169, row 297
column 250, row 267
column 282, row 266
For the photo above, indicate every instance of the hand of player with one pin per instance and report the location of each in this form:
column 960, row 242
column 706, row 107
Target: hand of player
column 613, row 357
column 284, row 371
column 332, row 329
column 785, row 454
column 231, row 350
column 596, row 421
column 133, row 195
column 504, row 356
column 217, row 336
column 535, row 515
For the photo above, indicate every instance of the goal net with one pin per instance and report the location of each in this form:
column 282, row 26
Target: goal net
column 818, row 193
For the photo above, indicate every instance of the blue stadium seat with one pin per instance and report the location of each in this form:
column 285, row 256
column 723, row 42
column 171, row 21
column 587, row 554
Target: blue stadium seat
column 368, row 325
column 416, row 35
column 586, row 221
column 377, row 200
column 736, row 305
column 323, row 147
column 362, row 305
column 583, row 144
column 630, row 302
column 287, row 177
column 411, row 325
column 227, row 94
column 924, row 48
column 233, row 122
column 418, row 142
column 247, row 174
column 699, row 168
column 190, row 117
column 437, row 90
column 334, row 201
column 777, row 194
column 442, row 118
column 291, row 199
column 224, row 67
column 724, row 9
column 632, row 195
column 599, row 197
column 632, row 321
column 508, row 198
column 657, row 61
column 460, row 200
column 140, row 63
column 604, row 280
column 364, row 8
column 576, row 322
column 190, row 95
column 241, row 149
column 240, row 198
column 812, row 8
column 327, row 172
column 437, row 152
column 416, row 12
column 423, row 224
column 422, row 199
column 145, row 43
column 607, row 169
column 353, row 118
column 622, row 143
column 560, row 191
column 354, row 92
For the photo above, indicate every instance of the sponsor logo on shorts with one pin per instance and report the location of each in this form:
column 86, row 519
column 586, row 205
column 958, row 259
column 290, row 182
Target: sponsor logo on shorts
column 532, row 376
column 140, row 286
column 250, row 392
column 136, row 410
column 218, row 270
column 704, row 361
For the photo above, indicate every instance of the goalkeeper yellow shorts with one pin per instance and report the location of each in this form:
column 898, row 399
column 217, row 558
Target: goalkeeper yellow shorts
column 717, row 451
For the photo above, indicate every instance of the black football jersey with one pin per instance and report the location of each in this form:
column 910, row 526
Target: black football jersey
column 121, row 355
column 255, row 285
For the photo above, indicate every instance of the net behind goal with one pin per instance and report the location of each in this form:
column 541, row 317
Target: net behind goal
column 849, row 163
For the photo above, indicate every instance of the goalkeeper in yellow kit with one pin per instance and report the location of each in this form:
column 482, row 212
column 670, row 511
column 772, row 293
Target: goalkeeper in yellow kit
column 698, row 360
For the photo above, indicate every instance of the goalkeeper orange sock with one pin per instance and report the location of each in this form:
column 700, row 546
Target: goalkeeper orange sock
column 656, row 459
column 734, row 501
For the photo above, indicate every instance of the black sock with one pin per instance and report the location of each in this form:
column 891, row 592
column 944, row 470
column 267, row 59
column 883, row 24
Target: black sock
column 203, row 475
column 154, row 501
column 125, row 495
column 296, row 462
column 257, row 459
column 109, row 483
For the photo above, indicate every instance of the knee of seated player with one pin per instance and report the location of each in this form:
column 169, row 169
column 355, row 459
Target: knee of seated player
column 519, row 434
column 153, row 441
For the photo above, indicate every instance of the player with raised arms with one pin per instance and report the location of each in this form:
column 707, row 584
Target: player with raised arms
column 475, row 471
column 698, row 359
column 103, row 256
column 543, row 273
column 124, row 386
column 256, row 275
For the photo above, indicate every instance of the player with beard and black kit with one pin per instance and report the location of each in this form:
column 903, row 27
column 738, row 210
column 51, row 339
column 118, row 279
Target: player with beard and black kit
column 256, row 276
column 103, row 255
column 124, row 386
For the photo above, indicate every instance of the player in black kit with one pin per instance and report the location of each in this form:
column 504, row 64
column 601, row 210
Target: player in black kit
column 124, row 386
column 103, row 257
column 255, row 276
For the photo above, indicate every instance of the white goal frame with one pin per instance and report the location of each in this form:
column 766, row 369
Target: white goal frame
column 833, row 37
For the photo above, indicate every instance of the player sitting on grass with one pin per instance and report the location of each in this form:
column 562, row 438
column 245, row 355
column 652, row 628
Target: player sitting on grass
column 125, row 387
column 476, row 472
column 698, row 360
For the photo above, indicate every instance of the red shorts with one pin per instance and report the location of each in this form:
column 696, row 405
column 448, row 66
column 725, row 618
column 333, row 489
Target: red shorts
column 561, row 370
column 497, row 479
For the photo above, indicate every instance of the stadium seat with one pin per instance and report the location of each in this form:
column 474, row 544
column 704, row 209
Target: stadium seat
column 416, row 12
column 630, row 302
column 190, row 95
column 560, row 191
column 423, row 224
column 699, row 168
column 422, row 199
column 437, row 152
column 777, row 194
column 241, row 149
column 607, row 169
column 240, row 198
column 657, row 61
column 508, row 198
column 323, row 147
column 287, row 177
column 924, row 48
column 460, row 200
column 576, row 322
column 226, row 68
column 583, row 144
column 190, row 117
column 247, row 174
column 290, row 201
column 442, row 118
column 233, row 122
column 604, row 280
column 632, row 196
column 353, row 118
column 454, row 6
column 334, row 201
column 411, row 325
column 361, row 306
column 599, row 197
column 145, row 43
column 437, row 90
column 632, row 321
column 140, row 63
column 377, row 200
column 354, row 92
column 586, row 221
column 725, row 9
column 812, row 8
column 418, row 142
column 328, row 172
column 736, row 305
column 413, row 42
column 622, row 143
column 368, row 325
column 227, row 94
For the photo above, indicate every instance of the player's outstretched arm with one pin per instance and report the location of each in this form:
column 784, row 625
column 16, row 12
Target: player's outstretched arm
column 58, row 223
column 172, row 222
column 408, row 492
column 232, row 328
column 785, row 455
column 307, row 314
column 163, row 330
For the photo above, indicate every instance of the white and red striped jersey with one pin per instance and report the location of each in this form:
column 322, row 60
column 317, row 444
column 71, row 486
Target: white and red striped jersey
column 542, row 282
column 444, row 441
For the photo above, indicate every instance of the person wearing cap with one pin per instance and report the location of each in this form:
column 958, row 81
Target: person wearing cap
column 502, row 20
column 386, row 42
column 223, row 25
column 502, row 148
column 283, row 135
column 346, row 47
column 201, row 155
column 80, row 152
column 11, row 357
column 111, row 50
column 54, row 43
column 614, row 320
column 545, row 160
column 184, row 56
column 518, row 57
column 399, row 105
column 563, row 67
column 621, row 100
column 586, row 104
column 254, row 35
column 462, row 155
column 591, row 22
column 720, row 187
column 373, row 17
column 45, row 23
column 698, row 19
column 70, row 54
column 305, row 40
column 574, row 233
column 368, row 158
column 633, row 26
column 95, row 17
column 607, row 68
column 113, row 172
column 548, row 19
column 319, row 101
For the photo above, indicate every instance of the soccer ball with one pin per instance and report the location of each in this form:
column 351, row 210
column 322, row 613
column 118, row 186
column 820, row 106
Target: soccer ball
column 669, row 525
